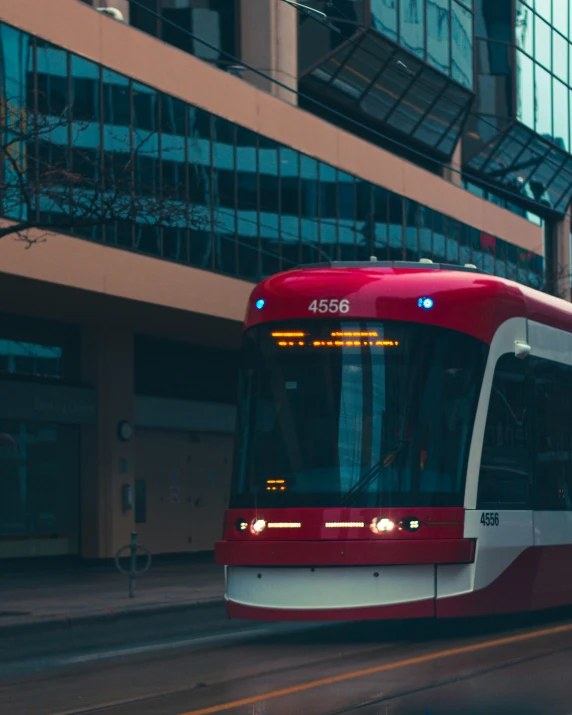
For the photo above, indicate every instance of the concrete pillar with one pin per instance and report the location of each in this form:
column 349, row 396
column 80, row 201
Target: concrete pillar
column 107, row 461
column 269, row 42
column 453, row 174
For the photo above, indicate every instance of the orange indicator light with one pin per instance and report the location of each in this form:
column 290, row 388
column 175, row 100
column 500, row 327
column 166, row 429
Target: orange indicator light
column 355, row 334
column 337, row 343
column 288, row 335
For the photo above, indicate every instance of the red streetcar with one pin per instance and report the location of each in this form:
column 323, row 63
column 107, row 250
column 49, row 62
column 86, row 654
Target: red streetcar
column 404, row 446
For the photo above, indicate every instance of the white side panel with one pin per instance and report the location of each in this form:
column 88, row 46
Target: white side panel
column 503, row 342
column 552, row 528
column 327, row 587
column 497, row 547
column 550, row 343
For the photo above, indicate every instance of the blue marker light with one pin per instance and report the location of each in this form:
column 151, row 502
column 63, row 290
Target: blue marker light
column 260, row 303
column 425, row 303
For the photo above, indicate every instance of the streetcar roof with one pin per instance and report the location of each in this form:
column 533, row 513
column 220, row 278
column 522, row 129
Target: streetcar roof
column 463, row 298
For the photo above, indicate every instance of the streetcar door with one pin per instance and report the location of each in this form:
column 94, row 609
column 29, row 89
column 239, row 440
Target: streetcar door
column 551, row 380
column 502, row 521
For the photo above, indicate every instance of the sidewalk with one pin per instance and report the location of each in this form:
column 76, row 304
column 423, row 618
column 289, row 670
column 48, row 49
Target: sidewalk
column 82, row 595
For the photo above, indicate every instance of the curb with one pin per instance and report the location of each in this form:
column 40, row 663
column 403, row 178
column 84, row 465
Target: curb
column 65, row 621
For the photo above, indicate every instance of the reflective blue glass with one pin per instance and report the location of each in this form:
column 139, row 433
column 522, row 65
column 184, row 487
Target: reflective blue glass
column 542, row 42
column 465, row 253
column 346, row 217
column 247, row 204
column 117, row 165
column 364, row 220
column 560, row 47
column 290, row 207
column 268, row 166
column 53, row 102
column 411, row 230
column 525, row 89
column 462, row 45
column 543, row 103
column 524, row 31
column 328, row 211
column 544, row 8
column 560, row 17
column 146, row 153
column 439, row 34
column 174, row 178
column 199, row 183
column 384, row 17
column 396, row 227
column 452, row 239
column 177, row 182
column 86, row 117
column 439, row 246
column 425, row 232
column 224, row 197
column 380, row 222
column 17, row 98
column 309, row 210
column 561, row 116
column 412, row 26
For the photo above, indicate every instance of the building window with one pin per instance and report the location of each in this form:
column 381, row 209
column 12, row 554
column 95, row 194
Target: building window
column 437, row 31
column 23, row 358
column 204, row 28
column 38, row 349
column 39, row 489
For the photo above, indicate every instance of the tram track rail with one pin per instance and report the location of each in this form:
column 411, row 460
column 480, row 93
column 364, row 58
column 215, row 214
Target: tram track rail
column 550, row 641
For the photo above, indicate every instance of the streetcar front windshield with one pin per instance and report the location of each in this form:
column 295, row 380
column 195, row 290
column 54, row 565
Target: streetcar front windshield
column 347, row 413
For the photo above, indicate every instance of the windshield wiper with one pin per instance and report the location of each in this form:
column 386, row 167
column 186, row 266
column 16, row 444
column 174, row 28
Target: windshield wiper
column 362, row 483
column 370, row 475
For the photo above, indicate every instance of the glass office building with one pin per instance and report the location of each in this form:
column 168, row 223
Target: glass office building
column 439, row 32
column 518, row 135
column 239, row 203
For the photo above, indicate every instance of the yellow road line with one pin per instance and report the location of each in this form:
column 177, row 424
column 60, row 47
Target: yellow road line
column 380, row 669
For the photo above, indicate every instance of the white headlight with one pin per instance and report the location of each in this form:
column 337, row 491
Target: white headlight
column 381, row 525
column 257, row 526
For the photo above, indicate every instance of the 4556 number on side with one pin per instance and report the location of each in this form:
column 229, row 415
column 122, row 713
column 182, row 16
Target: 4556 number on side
column 332, row 305
column 490, row 518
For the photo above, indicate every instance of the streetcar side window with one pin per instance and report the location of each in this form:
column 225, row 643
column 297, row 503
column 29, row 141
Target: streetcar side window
column 552, row 402
column 505, row 475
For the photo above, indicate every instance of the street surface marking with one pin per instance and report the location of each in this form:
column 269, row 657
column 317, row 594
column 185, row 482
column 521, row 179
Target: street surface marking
column 380, row 669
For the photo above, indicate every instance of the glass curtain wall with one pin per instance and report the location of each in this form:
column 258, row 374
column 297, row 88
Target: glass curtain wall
column 544, row 68
column 183, row 23
column 209, row 193
column 439, row 32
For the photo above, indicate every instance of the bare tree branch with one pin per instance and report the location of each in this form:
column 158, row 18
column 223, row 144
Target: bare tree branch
column 46, row 185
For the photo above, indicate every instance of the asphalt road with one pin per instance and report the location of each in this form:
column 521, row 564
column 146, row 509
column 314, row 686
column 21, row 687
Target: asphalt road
column 206, row 665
